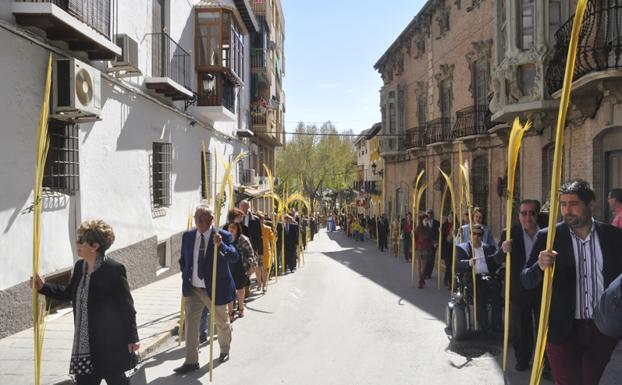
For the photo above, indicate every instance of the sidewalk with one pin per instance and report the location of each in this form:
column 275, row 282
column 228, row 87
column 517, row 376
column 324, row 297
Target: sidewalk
column 157, row 307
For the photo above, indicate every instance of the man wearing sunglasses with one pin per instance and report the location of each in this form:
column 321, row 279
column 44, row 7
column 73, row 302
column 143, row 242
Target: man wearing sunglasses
column 523, row 302
column 488, row 286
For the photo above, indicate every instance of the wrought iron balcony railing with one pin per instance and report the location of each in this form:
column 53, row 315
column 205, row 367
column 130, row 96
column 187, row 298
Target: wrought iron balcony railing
column 98, row 14
column 260, row 58
column 473, row 120
column 417, row 137
column 600, row 43
column 438, row 130
column 170, row 60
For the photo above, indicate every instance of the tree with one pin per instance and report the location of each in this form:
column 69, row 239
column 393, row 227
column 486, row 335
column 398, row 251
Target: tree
column 316, row 160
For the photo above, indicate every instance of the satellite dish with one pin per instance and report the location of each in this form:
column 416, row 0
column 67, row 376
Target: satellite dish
column 84, row 87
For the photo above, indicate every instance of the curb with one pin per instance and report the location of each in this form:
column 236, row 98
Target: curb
column 143, row 355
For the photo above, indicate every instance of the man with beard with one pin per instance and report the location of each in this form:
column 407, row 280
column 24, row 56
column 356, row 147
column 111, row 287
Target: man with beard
column 586, row 256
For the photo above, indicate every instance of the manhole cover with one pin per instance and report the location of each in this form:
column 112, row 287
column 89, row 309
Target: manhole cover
column 472, row 350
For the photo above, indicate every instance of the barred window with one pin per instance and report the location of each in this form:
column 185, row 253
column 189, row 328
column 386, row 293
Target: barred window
column 206, row 190
column 162, row 164
column 62, row 171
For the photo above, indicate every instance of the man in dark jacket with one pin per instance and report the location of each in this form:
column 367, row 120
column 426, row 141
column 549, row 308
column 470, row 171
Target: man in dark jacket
column 434, row 225
column 488, row 288
column 524, row 305
column 251, row 227
column 291, row 241
column 196, row 264
column 383, row 233
column 587, row 259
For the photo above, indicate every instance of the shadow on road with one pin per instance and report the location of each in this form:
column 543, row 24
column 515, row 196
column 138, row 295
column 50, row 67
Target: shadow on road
column 174, row 353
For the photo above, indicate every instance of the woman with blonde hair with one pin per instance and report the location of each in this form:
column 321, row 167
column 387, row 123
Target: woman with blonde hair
column 105, row 335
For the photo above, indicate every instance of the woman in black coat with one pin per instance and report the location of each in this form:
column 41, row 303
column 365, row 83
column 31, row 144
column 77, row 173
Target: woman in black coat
column 105, row 335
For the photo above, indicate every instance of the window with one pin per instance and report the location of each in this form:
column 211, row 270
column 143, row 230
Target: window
column 479, row 181
column 614, row 22
column 392, row 123
column 216, row 90
column 220, row 44
column 445, row 86
column 526, row 23
column 422, row 110
column 220, row 41
column 480, row 82
column 555, row 18
column 62, row 171
column 206, row 189
column 526, row 78
column 162, row 165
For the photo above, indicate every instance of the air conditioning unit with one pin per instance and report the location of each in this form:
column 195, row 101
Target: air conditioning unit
column 76, row 90
column 127, row 64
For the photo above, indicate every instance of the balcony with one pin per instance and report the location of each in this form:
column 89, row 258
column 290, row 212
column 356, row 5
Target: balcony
column 248, row 177
column 262, row 8
column 262, row 64
column 599, row 55
column 389, row 145
column 85, row 25
column 438, row 131
column 170, row 68
column 266, row 125
column 472, row 122
column 416, row 137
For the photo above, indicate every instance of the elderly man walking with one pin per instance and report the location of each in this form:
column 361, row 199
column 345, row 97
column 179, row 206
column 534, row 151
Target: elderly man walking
column 196, row 263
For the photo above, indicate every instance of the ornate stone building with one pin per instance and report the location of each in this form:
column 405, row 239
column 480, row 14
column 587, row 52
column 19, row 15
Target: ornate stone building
column 533, row 37
column 461, row 71
column 437, row 87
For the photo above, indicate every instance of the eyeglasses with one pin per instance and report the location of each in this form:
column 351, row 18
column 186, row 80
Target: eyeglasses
column 530, row 212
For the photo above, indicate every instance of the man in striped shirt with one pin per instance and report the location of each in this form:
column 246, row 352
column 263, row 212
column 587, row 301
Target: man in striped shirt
column 588, row 256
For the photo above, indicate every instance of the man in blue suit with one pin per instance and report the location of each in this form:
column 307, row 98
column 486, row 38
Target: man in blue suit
column 488, row 288
column 196, row 262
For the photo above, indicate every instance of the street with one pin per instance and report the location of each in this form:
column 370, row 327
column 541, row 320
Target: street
column 348, row 316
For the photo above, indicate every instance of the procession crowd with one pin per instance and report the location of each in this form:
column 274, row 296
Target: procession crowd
column 586, row 309
column 248, row 245
column 586, row 312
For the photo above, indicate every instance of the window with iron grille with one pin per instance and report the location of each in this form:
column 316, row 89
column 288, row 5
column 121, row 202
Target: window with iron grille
column 62, row 171
column 162, row 165
column 206, row 190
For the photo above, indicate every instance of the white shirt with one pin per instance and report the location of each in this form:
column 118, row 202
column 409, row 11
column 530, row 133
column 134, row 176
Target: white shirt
column 196, row 282
column 589, row 271
column 480, row 261
column 529, row 242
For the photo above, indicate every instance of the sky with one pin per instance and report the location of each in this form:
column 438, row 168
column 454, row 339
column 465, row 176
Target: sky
column 331, row 47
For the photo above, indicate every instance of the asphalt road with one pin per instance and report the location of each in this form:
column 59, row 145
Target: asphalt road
column 349, row 315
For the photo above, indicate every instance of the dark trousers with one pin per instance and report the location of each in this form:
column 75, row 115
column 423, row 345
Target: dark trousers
column 429, row 264
column 290, row 259
column 488, row 290
column 448, row 259
column 407, row 246
column 382, row 241
column 96, row 379
column 522, row 318
column 581, row 359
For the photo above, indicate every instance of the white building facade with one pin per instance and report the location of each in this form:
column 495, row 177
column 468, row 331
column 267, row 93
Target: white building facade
column 135, row 160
